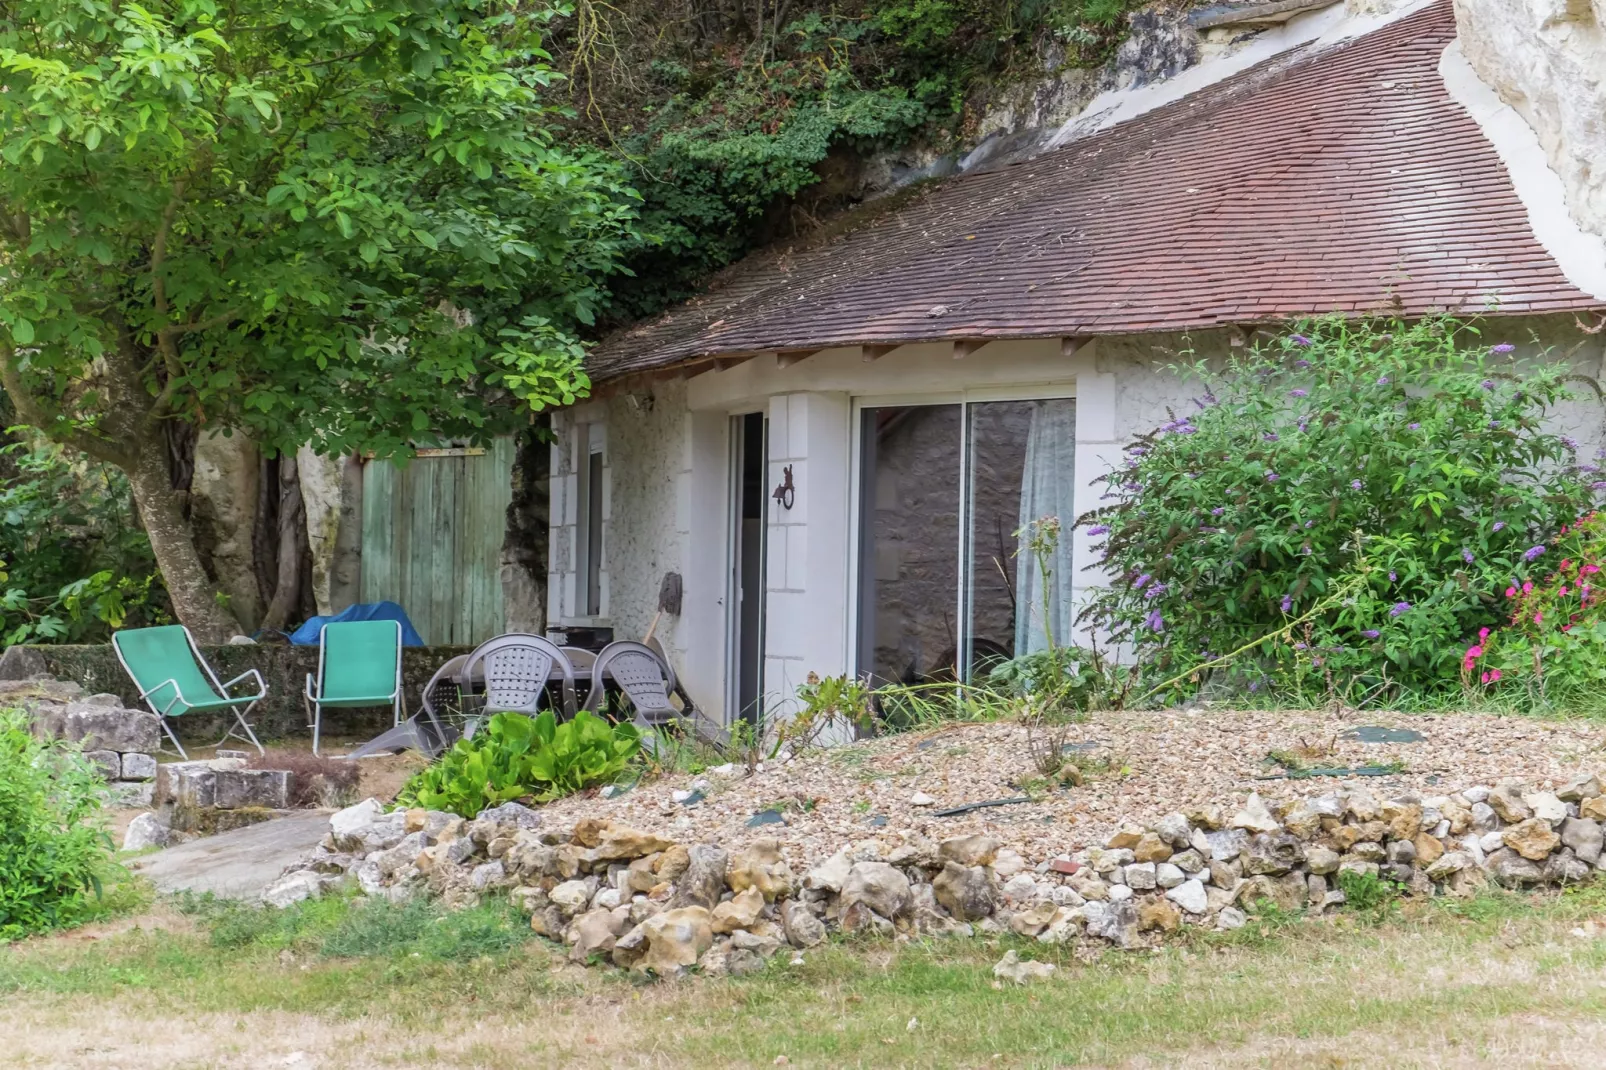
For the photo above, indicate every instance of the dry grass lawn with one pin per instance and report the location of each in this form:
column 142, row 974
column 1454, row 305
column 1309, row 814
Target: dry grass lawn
column 1498, row 981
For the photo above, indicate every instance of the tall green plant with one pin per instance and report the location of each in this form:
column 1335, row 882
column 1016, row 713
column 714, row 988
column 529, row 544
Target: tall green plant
column 53, row 844
column 1239, row 517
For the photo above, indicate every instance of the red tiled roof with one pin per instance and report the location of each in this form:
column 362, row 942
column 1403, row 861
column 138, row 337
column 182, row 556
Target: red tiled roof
column 1336, row 180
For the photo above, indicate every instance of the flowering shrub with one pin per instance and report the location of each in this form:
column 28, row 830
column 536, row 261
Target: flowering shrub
column 1554, row 640
column 1402, row 463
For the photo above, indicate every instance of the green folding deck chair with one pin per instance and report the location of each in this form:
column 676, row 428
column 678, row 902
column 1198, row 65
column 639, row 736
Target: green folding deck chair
column 174, row 679
column 359, row 664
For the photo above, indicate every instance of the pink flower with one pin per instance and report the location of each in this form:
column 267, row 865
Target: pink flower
column 1527, row 588
column 1511, row 592
column 1539, row 618
column 1590, row 570
column 1562, row 590
column 1494, row 675
column 1566, row 563
column 1474, row 651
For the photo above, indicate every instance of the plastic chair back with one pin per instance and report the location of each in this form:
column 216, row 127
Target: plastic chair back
column 155, row 656
column 360, row 663
column 516, row 670
column 641, row 673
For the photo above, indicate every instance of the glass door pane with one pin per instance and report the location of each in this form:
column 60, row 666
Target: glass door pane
column 909, row 542
column 1022, row 469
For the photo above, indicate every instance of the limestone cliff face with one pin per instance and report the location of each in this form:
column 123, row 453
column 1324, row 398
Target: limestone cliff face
column 1547, row 60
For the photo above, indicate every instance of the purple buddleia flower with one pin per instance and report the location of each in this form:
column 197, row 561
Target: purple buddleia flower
column 1570, row 443
column 1399, row 609
column 1494, row 425
column 1533, row 552
column 1099, row 529
column 1599, row 484
column 1218, row 510
column 1371, row 633
column 1392, row 577
column 1412, row 427
column 1269, row 436
column 1466, row 555
column 1300, row 340
column 1356, row 484
column 1382, row 380
column 1288, row 602
column 1154, row 622
column 1155, row 592
column 1499, row 525
column 1302, row 363
column 1138, row 584
column 1299, row 393
column 1300, row 646
column 1271, row 477
column 1487, row 384
column 1503, row 347
column 1304, row 425
column 1309, row 524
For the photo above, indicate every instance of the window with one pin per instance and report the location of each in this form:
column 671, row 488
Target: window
column 590, row 472
column 946, row 587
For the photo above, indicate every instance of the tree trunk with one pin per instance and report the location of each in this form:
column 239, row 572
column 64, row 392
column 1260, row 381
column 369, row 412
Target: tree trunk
column 287, row 588
column 194, row 595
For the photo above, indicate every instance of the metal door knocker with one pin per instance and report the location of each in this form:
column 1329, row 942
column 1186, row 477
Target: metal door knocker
column 786, row 492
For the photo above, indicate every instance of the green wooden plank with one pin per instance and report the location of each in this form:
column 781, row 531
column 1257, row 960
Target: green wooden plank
column 444, row 522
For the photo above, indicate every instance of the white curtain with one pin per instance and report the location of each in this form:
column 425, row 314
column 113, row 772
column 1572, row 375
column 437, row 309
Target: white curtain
column 1048, row 489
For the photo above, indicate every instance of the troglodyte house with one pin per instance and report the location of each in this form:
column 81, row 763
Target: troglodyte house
column 835, row 444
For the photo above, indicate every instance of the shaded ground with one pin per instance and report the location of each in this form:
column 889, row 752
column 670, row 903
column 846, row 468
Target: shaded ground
column 237, row 864
column 1498, row 981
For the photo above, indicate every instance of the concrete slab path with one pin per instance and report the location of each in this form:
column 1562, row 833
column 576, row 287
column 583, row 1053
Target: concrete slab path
column 238, row 864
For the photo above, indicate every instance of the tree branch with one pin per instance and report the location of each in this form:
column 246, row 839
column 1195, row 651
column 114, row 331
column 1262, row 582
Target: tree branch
column 159, row 245
column 49, row 419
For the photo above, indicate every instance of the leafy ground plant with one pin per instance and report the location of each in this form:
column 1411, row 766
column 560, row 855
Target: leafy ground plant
column 516, row 757
column 1404, row 463
column 54, row 850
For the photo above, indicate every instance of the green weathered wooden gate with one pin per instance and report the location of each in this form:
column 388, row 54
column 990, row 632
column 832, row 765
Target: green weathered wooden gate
column 432, row 533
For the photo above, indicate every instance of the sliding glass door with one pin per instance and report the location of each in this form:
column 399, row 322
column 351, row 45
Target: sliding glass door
column 948, row 497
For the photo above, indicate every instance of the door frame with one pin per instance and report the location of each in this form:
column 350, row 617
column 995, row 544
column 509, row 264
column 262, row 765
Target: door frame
column 735, row 455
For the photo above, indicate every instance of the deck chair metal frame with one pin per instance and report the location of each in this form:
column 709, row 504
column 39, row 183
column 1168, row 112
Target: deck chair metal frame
column 649, row 696
column 220, row 699
column 320, row 699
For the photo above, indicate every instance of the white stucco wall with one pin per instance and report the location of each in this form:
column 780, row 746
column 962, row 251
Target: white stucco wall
column 669, row 493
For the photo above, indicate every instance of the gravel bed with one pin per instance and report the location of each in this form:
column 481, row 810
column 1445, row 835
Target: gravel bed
column 1158, row 762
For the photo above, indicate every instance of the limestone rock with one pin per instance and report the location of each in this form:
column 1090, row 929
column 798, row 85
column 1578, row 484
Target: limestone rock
column 831, row 874
column 138, row 767
column 1594, row 809
column 1428, row 849
column 1190, row 896
column 802, row 928
column 1583, row 836
column 1273, row 853
column 107, row 762
column 1507, row 803
column 1228, row 844
column 704, row 879
column 1546, row 807
column 1174, row 830
column 100, row 727
column 1151, row 848
column 1007, row 863
column 596, row 932
column 1127, row 836
column 1115, row 922
column 1512, row 870
column 1533, row 839
column 1012, row 968
column 738, row 912
column 975, row 850
column 878, row 887
column 509, row 813
column 1448, row 863
column 1564, row 867
column 1207, row 817
column 571, row 896
column 1579, row 787
column 620, row 843
column 1321, row 860
column 1140, row 876
column 1168, row 876
column 1231, row 918
column 1158, row 912
column 487, row 876
column 294, row 887
column 1189, row 861
column 1033, row 921
column 675, row 940
column 148, row 830
column 967, row 893
column 760, row 866
column 672, row 863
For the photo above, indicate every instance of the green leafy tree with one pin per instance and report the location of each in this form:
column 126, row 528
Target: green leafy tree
column 336, row 222
column 1373, row 485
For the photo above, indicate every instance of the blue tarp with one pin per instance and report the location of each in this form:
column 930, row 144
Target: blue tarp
column 307, row 634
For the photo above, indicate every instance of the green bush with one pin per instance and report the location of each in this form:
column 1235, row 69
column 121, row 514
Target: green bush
column 1361, row 490
column 53, row 846
column 516, row 757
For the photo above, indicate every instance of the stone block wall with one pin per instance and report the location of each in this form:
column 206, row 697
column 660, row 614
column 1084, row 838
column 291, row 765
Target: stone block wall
column 285, row 668
column 122, row 742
